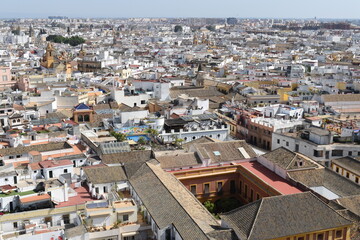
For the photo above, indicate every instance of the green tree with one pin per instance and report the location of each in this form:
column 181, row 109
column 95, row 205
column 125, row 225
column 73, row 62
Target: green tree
column 210, row 206
column 227, row 204
column 73, row 41
column 120, row 137
column 210, row 28
column 141, row 141
column 152, row 132
column 178, row 142
column 178, row 28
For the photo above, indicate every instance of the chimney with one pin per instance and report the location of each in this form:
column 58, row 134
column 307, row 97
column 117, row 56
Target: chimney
column 35, row 156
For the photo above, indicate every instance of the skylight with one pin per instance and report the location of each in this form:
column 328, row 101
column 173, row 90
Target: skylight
column 216, row 153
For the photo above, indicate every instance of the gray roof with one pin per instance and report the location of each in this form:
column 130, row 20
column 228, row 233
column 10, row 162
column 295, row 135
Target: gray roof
column 40, row 148
column 71, row 157
column 203, row 139
column 8, row 173
column 349, row 163
column 319, row 131
column 127, row 157
column 45, row 121
column 75, row 231
column 178, row 160
column 105, row 174
column 337, row 184
column 341, row 97
column 168, row 202
column 115, row 147
column 224, row 151
column 281, row 216
column 352, row 203
column 195, row 92
column 289, row 160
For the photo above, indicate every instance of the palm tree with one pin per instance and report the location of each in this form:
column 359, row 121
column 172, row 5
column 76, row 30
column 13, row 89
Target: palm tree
column 141, row 141
column 152, row 132
column 120, row 137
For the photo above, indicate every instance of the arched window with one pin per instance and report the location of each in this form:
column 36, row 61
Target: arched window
column 80, row 118
column 86, row 118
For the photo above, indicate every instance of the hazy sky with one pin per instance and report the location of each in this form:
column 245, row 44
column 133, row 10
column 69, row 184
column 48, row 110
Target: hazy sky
column 182, row 8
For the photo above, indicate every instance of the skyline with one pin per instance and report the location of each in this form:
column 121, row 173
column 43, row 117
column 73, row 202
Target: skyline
column 307, row 9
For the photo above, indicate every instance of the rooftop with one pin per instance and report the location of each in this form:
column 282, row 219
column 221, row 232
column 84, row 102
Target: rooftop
column 270, row 178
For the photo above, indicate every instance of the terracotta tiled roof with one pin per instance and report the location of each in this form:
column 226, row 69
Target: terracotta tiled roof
column 35, row 198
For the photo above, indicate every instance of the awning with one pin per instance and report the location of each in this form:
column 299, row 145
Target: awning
column 129, row 234
column 98, row 214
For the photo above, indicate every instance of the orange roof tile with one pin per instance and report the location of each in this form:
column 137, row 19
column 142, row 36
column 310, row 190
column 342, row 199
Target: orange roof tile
column 34, row 166
column 35, row 198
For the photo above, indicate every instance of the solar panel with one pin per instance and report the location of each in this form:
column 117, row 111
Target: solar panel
column 97, row 205
column 45, row 121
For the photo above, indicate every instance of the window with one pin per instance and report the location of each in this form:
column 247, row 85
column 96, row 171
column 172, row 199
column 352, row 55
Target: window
column 347, row 175
column 86, row 118
column 245, row 192
column 337, row 169
column 65, row 170
column 300, row 238
column 97, row 190
column 219, row 186
column 66, row 218
column 287, row 144
column 5, row 78
column 18, row 156
column 48, row 220
column 356, row 179
column 15, row 224
column 143, row 102
column 338, row 234
column 206, row 188
column 337, row 153
column 350, row 153
column 232, row 186
column 320, row 236
column 193, row 189
column 125, row 218
column 251, row 195
column 240, row 187
column 257, row 196
column 318, row 153
column 105, row 189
